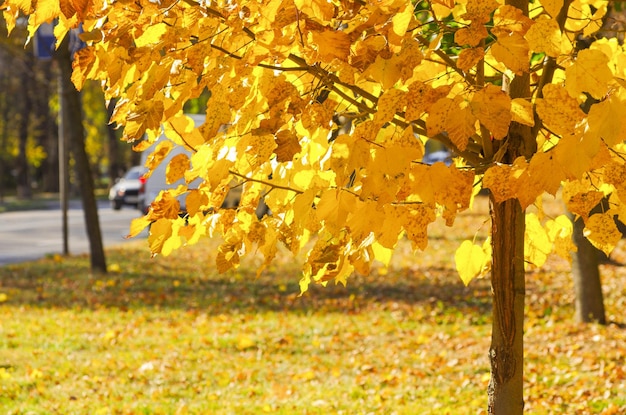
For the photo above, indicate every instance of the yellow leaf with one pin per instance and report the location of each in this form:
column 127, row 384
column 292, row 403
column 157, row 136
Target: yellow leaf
column 558, row 110
column 389, row 104
column 580, row 197
column 3, row 297
column 165, row 206
column 402, row 20
column 522, row 111
column 546, row 172
column 560, row 231
column 529, row 185
column 392, row 227
column 174, row 241
column 470, row 260
column 228, row 254
column 137, row 225
column 415, row 221
column 492, row 107
column 245, row 342
column 152, row 35
column 160, row 231
column 453, row 117
column 421, row 97
column 602, row 232
column 508, row 19
column 158, row 155
column 217, row 114
column 332, row 44
column 195, row 199
column 382, row 254
column 545, row 36
column 537, row 245
column 512, row 50
column 319, row 9
column 145, row 115
column 615, row 174
column 606, row 121
column 35, row 374
column 469, row 57
column 589, row 73
column 392, row 160
column 44, row 11
column 552, row 7
column 287, row 146
column 176, row 168
column 501, row 182
column 84, row 61
column 442, row 8
column 471, row 35
column 386, row 71
column 409, row 58
column 577, row 154
column 480, row 10
column 334, row 206
column 180, row 129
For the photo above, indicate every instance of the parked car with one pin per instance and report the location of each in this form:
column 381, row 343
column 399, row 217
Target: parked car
column 128, row 190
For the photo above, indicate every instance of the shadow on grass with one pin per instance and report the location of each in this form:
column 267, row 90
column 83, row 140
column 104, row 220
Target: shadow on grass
column 181, row 282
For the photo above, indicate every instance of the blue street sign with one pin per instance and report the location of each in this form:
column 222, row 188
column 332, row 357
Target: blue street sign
column 44, row 42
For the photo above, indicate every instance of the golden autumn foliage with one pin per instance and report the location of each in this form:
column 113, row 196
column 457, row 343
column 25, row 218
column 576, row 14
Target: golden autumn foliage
column 282, row 73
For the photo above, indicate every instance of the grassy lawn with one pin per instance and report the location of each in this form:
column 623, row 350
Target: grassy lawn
column 38, row 201
column 171, row 336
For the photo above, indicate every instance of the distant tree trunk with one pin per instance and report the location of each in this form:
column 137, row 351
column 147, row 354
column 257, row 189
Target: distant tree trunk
column 72, row 113
column 589, row 301
column 116, row 167
column 4, row 132
column 23, row 176
column 50, row 166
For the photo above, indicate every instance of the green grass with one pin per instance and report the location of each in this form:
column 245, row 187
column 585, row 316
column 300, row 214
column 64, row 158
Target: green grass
column 38, row 201
column 12, row 203
column 171, row 336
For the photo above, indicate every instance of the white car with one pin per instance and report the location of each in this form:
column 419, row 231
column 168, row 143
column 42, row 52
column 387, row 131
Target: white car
column 128, row 190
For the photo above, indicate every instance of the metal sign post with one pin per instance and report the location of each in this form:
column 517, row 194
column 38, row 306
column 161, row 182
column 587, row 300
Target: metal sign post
column 44, row 42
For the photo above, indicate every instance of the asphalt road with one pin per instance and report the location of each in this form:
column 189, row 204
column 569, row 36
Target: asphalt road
column 33, row 234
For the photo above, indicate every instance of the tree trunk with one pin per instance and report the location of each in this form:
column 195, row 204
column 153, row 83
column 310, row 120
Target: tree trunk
column 116, row 167
column 589, row 302
column 507, row 281
column 506, row 353
column 72, row 119
column 23, row 176
column 50, row 166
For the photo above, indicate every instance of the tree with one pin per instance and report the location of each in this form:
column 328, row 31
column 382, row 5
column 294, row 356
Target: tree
column 499, row 83
column 589, row 300
column 72, row 122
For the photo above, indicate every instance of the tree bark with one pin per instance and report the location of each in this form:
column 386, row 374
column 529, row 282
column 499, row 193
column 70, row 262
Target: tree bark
column 589, row 302
column 506, row 353
column 72, row 113
column 116, row 167
column 23, row 174
column 48, row 127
